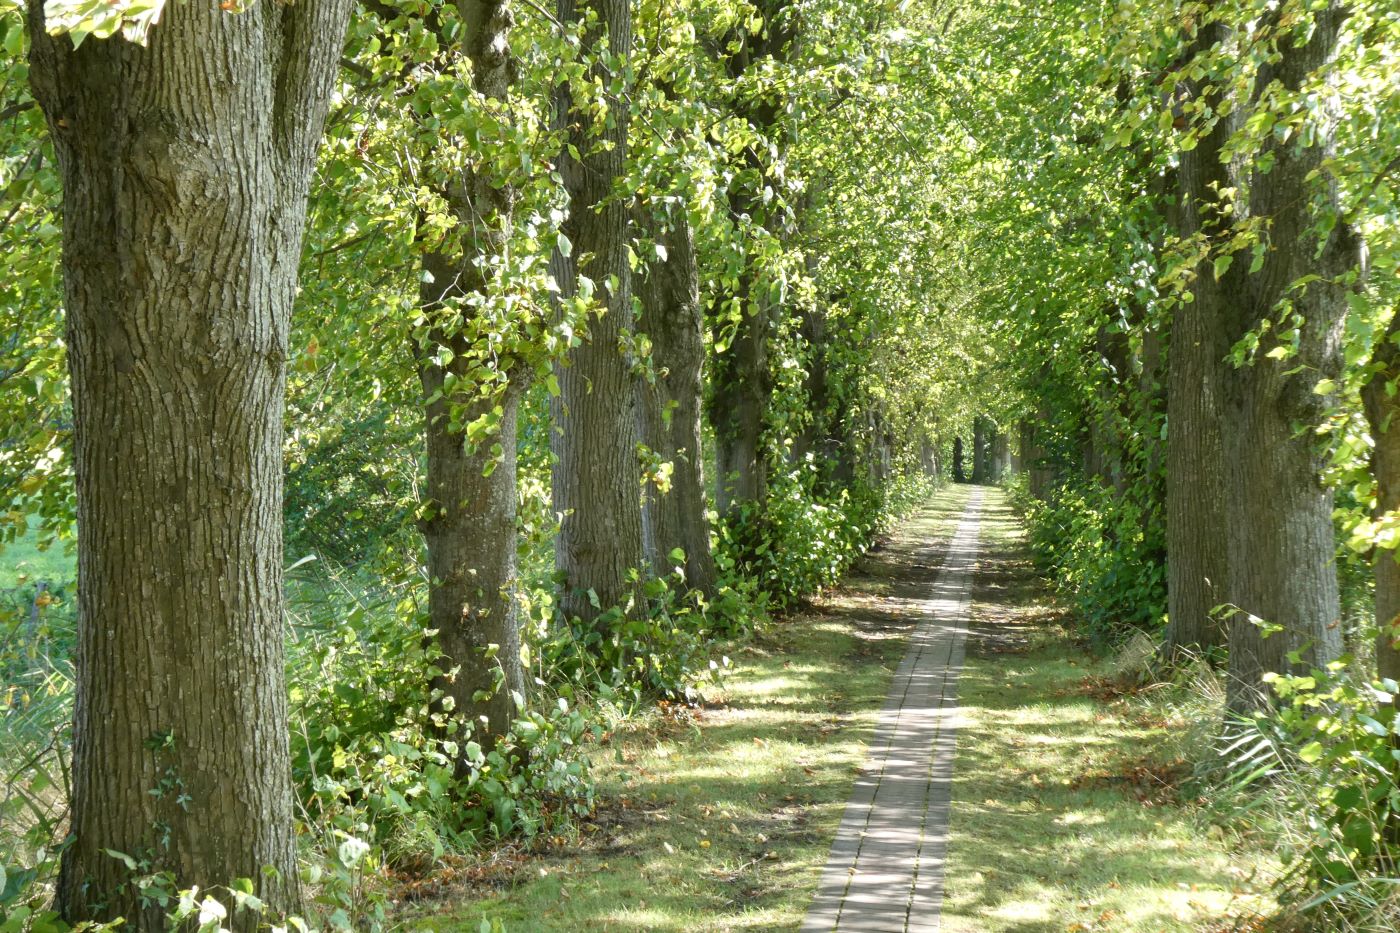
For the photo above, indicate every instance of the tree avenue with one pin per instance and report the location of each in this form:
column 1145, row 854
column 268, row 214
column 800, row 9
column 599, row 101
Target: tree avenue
column 409, row 396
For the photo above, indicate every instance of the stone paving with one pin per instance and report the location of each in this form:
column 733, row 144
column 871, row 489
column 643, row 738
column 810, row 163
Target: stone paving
column 885, row 872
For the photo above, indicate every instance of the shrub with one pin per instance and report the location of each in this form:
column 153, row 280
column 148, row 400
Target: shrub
column 1105, row 553
column 1325, row 764
column 798, row 541
column 658, row 646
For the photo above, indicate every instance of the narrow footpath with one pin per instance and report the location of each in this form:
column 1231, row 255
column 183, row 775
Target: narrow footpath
column 885, row 871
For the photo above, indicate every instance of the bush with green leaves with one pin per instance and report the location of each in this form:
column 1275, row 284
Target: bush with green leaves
column 798, row 541
column 1105, row 552
column 1321, row 771
column 658, row 646
column 374, row 762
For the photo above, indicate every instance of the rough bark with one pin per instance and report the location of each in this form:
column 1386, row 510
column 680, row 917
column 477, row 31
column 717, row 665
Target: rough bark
column 1382, row 407
column 928, row 458
column 740, row 387
column 469, row 525
column 1281, row 550
column 1023, row 444
column 1197, row 539
column 1152, row 388
column 470, row 533
column 817, row 383
column 185, row 167
column 671, row 404
column 1118, row 407
column 1041, row 472
column 840, row 453
column 596, row 471
column 1282, row 542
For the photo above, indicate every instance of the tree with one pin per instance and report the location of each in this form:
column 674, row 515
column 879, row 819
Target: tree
column 1380, row 398
column 673, row 320
column 597, row 474
column 1197, row 541
column 1287, row 218
column 740, row 380
column 982, row 429
column 185, row 166
column 469, row 520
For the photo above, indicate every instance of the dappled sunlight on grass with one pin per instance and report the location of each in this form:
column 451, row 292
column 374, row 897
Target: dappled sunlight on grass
column 1048, row 832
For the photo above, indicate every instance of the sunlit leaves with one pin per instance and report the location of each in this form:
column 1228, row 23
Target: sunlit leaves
column 101, row 19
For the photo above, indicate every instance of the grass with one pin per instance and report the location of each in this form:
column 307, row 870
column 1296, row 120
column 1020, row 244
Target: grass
column 24, row 561
column 723, row 821
column 1071, row 810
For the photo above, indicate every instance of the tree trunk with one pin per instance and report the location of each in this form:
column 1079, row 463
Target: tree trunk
column 1382, row 407
column 817, row 383
column 740, row 381
column 959, row 475
column 470, row 525
column 185, row 167
column 981, row 447
column 1282, row 542
column 1116, row 409
column 928, row 458
column 1042, row 475
column 1001, row 455
column 670, row 406
column 741, row 385
column 1281, row 550
column 470, row 533
column 596, row 472
column 1197, row 538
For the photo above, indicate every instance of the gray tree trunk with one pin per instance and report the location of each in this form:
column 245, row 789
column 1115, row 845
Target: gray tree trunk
column 1282, row 542
column 1001, row 455
column 597, row 474
column 1042, row 475
column 1281, row 552
column 817, row 383
column 928, row 458
column 1197, row 537
column 740, row 386
column 470, row 523
column 185, row 167
column 740, row 381
column 671, row 405
column 981, row 449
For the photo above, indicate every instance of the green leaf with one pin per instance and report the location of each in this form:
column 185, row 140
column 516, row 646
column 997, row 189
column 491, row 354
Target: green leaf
column 122, row 857
column 1222, row 265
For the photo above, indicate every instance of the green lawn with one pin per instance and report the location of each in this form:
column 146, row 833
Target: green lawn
column 1067, row 809
column 23, row 561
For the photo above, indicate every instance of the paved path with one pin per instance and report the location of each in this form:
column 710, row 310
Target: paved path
column 885, row 873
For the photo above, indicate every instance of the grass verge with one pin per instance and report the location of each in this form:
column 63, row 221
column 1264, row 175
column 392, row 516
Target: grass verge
column 721, row 819
column 24, row 561
column 1071, row 805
